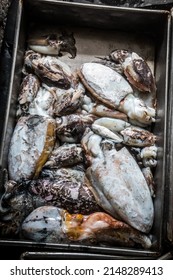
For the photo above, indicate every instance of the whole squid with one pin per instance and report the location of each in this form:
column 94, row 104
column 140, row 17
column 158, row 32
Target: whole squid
column 118, row 182
column 52, row 224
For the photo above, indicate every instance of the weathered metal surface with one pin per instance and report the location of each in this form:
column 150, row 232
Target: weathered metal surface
column 4, row 5
column 128, row 3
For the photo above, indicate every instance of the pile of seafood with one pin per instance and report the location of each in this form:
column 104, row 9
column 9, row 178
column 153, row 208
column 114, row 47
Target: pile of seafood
column 82, row 154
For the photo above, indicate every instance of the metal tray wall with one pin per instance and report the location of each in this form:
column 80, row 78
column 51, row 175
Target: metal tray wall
column 169, row 166
column 154, row 26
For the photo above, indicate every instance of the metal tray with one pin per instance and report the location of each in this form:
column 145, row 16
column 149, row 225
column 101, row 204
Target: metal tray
column 99, row 28
column 169, row 189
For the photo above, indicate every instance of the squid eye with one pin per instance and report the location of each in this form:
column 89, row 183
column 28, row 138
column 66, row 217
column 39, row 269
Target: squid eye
column 25, row 107
column 59, row 121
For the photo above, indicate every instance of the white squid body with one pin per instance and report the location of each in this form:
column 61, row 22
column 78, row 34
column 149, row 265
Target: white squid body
column 43, row 103
column 31, row 144
column 105, row 84
column 119, row 185
column 48, row 50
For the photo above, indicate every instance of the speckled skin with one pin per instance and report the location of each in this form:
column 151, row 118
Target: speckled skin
column 68, row 189
column 48, row 69
column 16, row 203
column 135, row 68
column 70, row 128
column 65, row 188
